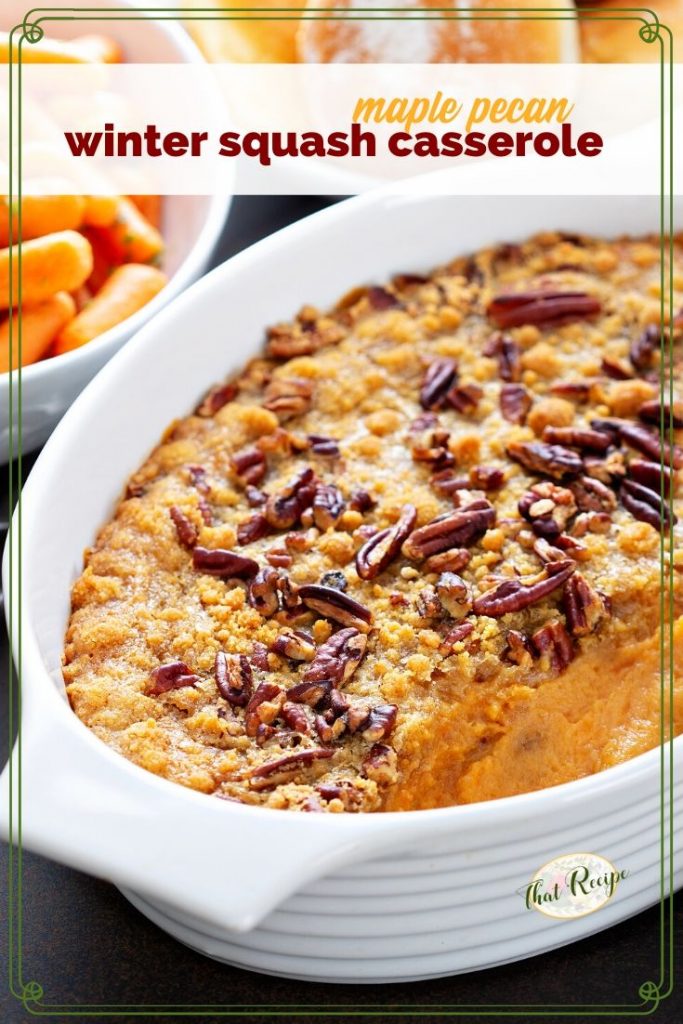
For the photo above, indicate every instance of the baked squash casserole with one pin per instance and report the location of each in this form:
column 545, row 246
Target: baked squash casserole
column 423, row 552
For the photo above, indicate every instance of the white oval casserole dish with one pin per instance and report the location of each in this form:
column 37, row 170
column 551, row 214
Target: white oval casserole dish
column 346, row 898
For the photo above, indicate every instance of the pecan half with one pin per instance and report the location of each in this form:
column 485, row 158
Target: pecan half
column 378, row 552
column 554, row 641
column 645, row 505
column 327, row 447
column 593, row 495
column 547, row 459
column 643, row 440
column 172, row 676
column 583, row 606
column 514, row 309
column 297, row 645
column 452, row 529
column 574, row 437
column 507, row 352
column 294, row 716
column 284, row 509
column 332, row 604
column 233, row 678
column 286, row 767
column 337, row 659
column 328, row 505
column 652, row 475
column 454, row 595
column 288, row 396
column 520, row 592
column 263, row 707
column 216, row 398
column 670, row 414
column 184, row 528
column 263, row 591
column 515, row 402
column 438, row 379
column 575, row 390
column 643, row 348
column 221, row 562
column 249, row 465
column 253, row 529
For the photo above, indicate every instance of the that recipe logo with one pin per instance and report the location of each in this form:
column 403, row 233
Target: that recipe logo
column 573, row 885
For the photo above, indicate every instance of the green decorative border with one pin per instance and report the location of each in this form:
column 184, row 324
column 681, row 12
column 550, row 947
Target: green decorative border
column 651, row 993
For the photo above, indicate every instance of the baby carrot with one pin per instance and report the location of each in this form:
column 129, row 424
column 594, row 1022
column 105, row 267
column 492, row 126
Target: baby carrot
column 40, row 215
column 132, row 236
column 39, row 326
column 100, row 211
column 129, row 288
column 105, row 259
column 149, row 207
column 92, row 49
column 58, row 262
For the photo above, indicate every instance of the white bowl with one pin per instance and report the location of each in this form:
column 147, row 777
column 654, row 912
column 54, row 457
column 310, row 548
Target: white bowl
column 191, row 228
column 346, row 898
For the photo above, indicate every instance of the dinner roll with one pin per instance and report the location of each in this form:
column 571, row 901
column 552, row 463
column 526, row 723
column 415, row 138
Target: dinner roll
column 253, row 41
column 438, row 41
column 618, row 41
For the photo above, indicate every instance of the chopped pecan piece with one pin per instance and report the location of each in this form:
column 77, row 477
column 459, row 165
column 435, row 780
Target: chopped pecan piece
column 454, row 636
column 438, row 379
column 221, row 562
column 515, row 309
column 286, row 767
column 645, row 505
column 216, row 398
column 519, row 648
column 378, row 552
column 548, row 507
column 263, row 591
column 307, row 335
column 658, row 412
column 520, row 592
column 296, row 718
column 592, row 495
column 615, row 369
column 609, row 470
column 452, row 529
column 253, row 529
column 328, row 505
column 554, row 641
column 381, row 299
column 574, row 437
column 249, row 465
column 263, row 707
column 487, row 478
column 546, row 459
column 380, row 722
column 583, row 606
column 360, row 501
column 259, row 655
column 507, row 352
column 335, row 579
column 445, row 482
column 464, row 398
column 284, row 509
column 233, row 678
column 644, row 347
column 327, row 447
column 288, row 397
column 337, row 659
column 255, row 497
column 332, row 604
column 172, row 676
column 428, row 605
column 515, row 402
column 452, row 560
column 454, row 594
column 576, row 390
column 547, row 552
column 297, row 645
column 198, row 479
column 184, row 528
column 652, row 475
column 380, row 764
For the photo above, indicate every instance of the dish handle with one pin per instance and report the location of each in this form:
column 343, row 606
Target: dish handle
column 228, row 865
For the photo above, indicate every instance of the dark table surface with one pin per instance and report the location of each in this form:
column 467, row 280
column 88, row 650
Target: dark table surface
column 85, row 944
